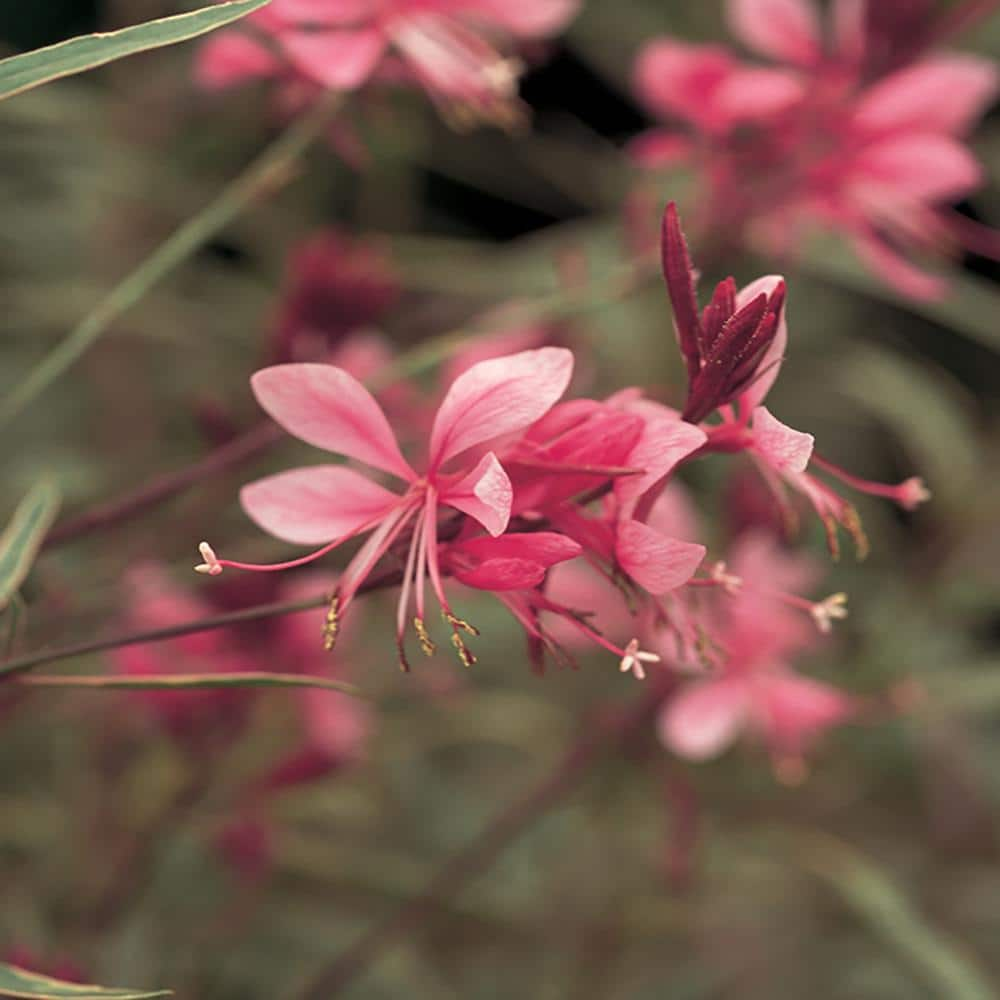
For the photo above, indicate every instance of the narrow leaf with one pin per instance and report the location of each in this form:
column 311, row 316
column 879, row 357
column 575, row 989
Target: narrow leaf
column 939, row 960
column 23, row 536
column 20, row 983
column 31, row 69
column 175, row 681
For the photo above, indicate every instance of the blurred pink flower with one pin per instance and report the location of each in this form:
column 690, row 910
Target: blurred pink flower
column 819, row 141
column 451, row 48
column 326, row 407
column 750, row 684
column 335, row 286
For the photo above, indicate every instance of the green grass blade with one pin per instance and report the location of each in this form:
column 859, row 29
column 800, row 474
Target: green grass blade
column 20, row 983
column 23, row 536
column 31, row 69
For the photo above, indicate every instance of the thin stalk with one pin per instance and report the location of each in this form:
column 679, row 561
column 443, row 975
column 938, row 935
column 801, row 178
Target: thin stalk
column 480, row 853
column 263, row 176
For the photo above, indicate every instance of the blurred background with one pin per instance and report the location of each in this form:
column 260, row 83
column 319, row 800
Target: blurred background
column 226, row 845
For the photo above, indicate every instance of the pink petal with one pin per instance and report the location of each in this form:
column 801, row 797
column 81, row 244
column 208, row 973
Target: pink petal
column 922, row 166
column 326, row 407
column 511, row 562
column 659, row 148
column 785, row 30
column 793, row 711
column 527, row 18
column 316, row 504
column 485, row 494
column 341, row 60
column 675, row 78
column 943, row 94
column 665, row 441
column 674, row 514
column 785, row 450
column 850, row 29
column 770, row 364
column 497, row 397
column 656, row 562
column 896, row 270
column 750, row 94
column 232, row 58
column 324, row 11
column 704, row 720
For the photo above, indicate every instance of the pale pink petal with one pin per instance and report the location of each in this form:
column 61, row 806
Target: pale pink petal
column 656, row 562
column 326, row 407
column 702, row 721
column 943, row 94
column 749, row 94
column 485, row 494
column 527, row 18
column 341, row 60
column 675, row 78
column 336, row 724
column 793, row 711
column 497, row 397
column 231, row 58
column 659, row 148
column 770, row 364
column 785, row 30
column 674, row 514
column 920, row 167
column 327, row 12
column 785, row 450
column 511, row 562
column 666, row 440
column 896, row 270
column 316, row 504
column 850, row 30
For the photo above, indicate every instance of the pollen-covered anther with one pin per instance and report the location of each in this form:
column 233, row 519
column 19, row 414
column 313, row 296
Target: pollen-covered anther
column 211, row 565
column 459, row 623
column 426, row 642
column 465, row 654
column 331, row 625
column 730, row 582
column 634, row 659
column 830, row 609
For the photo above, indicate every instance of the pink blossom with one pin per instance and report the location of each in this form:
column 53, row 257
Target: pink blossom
column 733, row 350
column 326, row 407
column 828, row 138
column 451, row 48
column 335, row 286
column 750, row 684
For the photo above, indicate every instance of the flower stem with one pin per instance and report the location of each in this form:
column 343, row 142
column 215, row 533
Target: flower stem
column 262, row 177
column 480, row 853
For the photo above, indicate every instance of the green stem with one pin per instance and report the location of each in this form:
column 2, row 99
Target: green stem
column 263, row 176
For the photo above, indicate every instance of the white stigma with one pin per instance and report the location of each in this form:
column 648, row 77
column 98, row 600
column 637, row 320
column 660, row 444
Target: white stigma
column 211, row 565
column 829, row 610
column 634, row 658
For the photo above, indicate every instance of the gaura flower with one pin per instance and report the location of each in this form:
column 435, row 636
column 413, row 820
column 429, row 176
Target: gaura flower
column 326, row 407
column 748, row 683
column 733, row 351
column 445, row 46
column 828, row 138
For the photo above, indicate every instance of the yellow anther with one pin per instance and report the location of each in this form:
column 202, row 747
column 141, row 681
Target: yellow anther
column 331, row 625
column 426, row 643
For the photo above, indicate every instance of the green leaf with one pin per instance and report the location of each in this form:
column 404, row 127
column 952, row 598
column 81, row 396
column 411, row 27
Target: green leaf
column 939, row 960
column 181, row 681
column 23, row 536
column 16, row 982
column 31, row 69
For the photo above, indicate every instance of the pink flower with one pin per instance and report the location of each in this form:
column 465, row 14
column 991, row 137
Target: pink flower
column 733, row 351
column 445, row 46
column 751, row 685
column 334, row 287
column 821, row 140
column 326, row 407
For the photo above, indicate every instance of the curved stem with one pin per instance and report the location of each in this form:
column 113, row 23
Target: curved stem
column 477, row 856
column 262, row 177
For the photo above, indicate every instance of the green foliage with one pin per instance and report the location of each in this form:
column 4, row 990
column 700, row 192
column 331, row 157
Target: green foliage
column 23, row 536
column 19, row 984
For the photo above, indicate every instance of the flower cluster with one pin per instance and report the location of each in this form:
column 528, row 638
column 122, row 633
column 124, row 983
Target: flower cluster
column 516, row 481
column 856, row 130
column 457, row 51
